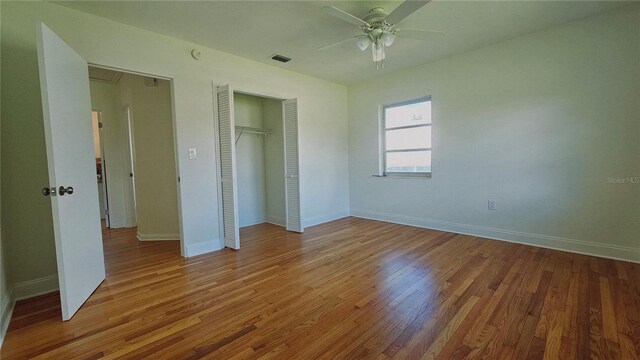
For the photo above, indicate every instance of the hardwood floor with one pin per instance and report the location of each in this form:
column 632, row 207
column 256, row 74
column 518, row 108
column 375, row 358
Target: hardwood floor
column 348, row 289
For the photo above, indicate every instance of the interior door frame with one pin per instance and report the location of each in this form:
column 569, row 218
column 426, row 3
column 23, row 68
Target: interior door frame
column 183, row 249
column 242, row 90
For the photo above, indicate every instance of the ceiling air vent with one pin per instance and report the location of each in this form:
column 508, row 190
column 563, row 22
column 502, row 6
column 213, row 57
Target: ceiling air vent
column 281, row 58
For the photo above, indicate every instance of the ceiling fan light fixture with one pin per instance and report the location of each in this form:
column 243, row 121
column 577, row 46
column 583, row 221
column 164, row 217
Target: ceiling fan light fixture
column 379, row 27
column 363, row 42
column 387, row 38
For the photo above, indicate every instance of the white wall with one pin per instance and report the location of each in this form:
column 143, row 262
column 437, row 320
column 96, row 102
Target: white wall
column 250, row 162
column 323, row 127
column 274, row 158
column 96, row 134
column 539, row 123
column 6, row 298
column 154, row 152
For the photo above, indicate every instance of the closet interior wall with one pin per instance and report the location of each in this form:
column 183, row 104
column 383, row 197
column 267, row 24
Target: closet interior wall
column 260, row 161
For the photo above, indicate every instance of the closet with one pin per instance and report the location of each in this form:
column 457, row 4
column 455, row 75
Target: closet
column 259, row 160
column 259, row 165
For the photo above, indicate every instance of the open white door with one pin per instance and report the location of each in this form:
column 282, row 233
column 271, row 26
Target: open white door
column 130, row 182
column 227, row 134
column 66, row 105
column 292, row 165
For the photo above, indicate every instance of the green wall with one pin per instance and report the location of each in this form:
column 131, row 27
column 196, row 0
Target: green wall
column 540, row 123
column 26, row 214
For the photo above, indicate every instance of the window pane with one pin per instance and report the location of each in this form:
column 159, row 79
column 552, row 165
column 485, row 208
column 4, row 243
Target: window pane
column 408, row 162
column 404, row 115
column 411, row 138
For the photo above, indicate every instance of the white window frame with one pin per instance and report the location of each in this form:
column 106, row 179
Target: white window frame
column 383, row 133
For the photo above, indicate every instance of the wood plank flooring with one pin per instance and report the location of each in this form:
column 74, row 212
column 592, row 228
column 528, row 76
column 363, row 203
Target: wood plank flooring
column 349, row 289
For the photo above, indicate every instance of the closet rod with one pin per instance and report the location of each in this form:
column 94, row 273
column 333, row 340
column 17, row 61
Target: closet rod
column 251, row 130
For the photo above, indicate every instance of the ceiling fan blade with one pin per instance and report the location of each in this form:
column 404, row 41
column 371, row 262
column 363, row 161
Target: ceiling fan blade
column 405, row 9
column 345, row 16
column 333, row 44
column 418, row 34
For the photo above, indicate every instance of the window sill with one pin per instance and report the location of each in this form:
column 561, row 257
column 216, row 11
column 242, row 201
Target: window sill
column 404, row 176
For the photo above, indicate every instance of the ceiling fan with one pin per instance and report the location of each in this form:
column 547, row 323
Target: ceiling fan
column 379, row 28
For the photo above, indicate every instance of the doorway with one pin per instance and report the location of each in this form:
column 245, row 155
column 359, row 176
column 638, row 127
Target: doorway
column 101, row 169
column 71, row 159
column 138, row 166
column 259, row 147
column 262, row 179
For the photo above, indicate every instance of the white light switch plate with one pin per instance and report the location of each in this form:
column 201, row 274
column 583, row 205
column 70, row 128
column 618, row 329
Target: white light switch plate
column 192, row 153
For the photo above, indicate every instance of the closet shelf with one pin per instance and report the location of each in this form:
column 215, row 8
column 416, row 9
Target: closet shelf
column 250, row 130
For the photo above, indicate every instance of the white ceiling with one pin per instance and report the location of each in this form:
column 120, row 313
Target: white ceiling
column 258, row 29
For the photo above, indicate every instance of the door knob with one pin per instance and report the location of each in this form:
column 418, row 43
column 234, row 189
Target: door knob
column 48, row 191
column 62, row 190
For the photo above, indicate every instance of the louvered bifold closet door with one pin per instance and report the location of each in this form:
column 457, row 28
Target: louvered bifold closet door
column 292, row 165
column 226, row 132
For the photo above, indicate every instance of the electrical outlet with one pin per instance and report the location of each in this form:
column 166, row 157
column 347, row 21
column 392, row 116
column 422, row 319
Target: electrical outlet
column 492, row 204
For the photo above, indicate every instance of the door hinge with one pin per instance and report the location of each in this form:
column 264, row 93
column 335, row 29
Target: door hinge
column 99, row 125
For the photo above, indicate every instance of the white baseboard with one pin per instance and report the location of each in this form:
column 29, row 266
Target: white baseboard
column 157, row 237
column 545, row 241
column 317, row 220
column 254, row 222
column 6, row 309
column 276, row 221
column 203, row 248
column 276, row 224
column 28, row 289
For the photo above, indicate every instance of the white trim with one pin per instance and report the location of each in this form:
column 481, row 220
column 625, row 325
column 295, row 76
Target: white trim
column 157, row 237
column 118, row 225
column 6, row 310
column 545, row 241
column 317, row 220
column 30, row 288
column 203, row 248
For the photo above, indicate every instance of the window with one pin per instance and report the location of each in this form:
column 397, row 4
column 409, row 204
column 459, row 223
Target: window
column 406, row 138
